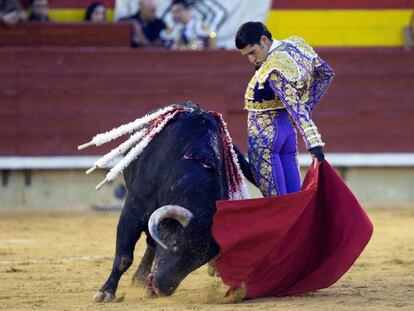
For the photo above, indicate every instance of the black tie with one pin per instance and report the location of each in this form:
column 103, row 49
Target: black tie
column 184, row 38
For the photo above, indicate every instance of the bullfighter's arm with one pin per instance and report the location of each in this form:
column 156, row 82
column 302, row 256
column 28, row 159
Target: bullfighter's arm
column 244, row 165
column 322, row 77
column 290, row 94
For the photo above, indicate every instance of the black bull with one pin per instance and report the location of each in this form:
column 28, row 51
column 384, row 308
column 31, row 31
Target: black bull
column 174, row 184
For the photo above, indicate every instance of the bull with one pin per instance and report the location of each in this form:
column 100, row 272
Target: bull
column 172, row 189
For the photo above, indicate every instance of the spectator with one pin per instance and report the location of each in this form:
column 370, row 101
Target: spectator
column 11, row 12
column 39, row 10
column 146, row 26
column 409, row 35
column 188, row 32
column 95, row 13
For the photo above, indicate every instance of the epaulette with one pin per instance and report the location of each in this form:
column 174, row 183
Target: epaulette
column 281, row 62
column 302, row 46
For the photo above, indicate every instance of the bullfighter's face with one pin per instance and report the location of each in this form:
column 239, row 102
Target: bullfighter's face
column 257, row 53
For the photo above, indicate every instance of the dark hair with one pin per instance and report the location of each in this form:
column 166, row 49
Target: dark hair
column 250, row 33
column 90, row 9
column 184, row 3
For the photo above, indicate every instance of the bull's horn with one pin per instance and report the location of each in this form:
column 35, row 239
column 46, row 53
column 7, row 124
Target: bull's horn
column 181, row 214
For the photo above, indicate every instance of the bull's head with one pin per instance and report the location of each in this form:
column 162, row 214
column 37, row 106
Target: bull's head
column 181, row 214
column 180, row 252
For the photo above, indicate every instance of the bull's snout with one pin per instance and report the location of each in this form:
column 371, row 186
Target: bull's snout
column 164, row 288
column 155, row 286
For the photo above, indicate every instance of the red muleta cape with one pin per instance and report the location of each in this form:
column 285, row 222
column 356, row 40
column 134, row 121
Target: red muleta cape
column 293, row 243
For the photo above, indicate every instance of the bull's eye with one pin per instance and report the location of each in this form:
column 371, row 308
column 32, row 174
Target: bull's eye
column 207, row 166
column 205, row 162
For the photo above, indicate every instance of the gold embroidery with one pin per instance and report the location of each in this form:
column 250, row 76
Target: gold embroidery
column 305, row 96
column 303, row 46
column 267, row 104
column 251, row 104
column 249, row 93
column 281, row 62
column 290, row 71
column 261, row 131
column 295, row 99
column 252, row 82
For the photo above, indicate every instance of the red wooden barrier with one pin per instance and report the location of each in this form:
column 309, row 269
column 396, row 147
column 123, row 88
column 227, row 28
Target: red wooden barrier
column 66, row 35
column 65, row 4
column 52, row 99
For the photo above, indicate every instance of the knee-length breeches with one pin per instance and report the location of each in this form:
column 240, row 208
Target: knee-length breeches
column 272, row 150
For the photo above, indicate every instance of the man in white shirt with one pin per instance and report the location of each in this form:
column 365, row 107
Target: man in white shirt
column 188, row 32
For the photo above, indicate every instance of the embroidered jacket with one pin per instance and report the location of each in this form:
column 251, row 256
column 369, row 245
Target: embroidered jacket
column 292, row 77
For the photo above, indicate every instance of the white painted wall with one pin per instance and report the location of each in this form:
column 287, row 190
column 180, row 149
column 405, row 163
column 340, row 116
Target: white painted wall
column 69, row 190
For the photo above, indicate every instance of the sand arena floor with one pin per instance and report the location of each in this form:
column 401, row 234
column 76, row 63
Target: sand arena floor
column 59, row 261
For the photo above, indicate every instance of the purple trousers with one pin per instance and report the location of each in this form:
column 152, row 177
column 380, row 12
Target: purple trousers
column 272, row 150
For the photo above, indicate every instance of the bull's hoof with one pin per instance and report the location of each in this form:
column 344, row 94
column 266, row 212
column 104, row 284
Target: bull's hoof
column 149, row 292
column 104, row 297
column 149, row 289
column 211, row 268
column 235, row 296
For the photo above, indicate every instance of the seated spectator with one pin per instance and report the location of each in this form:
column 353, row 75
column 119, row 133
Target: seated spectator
column 146, row 26
column 39, row 10
column 95, row 13
column 188, row 32
column 11, row 12
column 409, row 35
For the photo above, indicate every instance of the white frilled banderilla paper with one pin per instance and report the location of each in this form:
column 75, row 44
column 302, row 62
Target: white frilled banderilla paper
column 143, row 130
